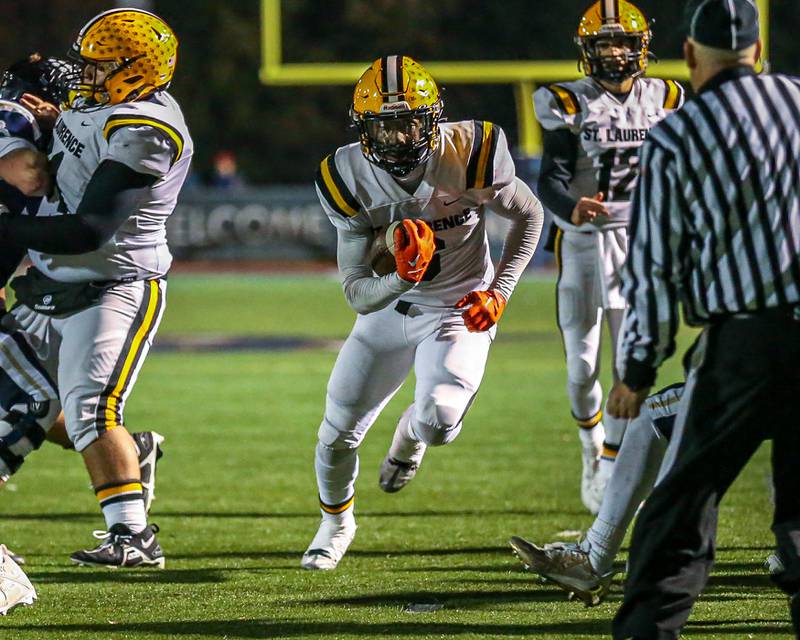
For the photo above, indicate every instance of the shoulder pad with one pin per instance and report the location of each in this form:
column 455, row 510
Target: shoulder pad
column 17, row 122
column 332, row 186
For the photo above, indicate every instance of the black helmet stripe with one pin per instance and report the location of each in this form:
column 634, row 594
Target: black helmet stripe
column 609, row 10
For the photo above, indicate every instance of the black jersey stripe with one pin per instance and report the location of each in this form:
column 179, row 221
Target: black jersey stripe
column 472, row 165
column 333, row 188
column 481, row 161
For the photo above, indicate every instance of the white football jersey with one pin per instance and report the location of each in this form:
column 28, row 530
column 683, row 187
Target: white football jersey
column 150, row 137
column 610, row 133
column 470, row 165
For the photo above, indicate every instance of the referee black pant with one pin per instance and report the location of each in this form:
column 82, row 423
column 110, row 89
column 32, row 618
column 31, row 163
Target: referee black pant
column 744, row 391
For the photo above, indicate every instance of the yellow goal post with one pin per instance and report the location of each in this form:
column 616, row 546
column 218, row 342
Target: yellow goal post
column 525, row 75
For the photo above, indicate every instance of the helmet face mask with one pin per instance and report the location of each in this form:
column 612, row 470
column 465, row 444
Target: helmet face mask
column 124, row 55
column 614, row 39
column 396, row 109
column 45, row 78
column 399, row 142
column 614, row 58
column 89, row 80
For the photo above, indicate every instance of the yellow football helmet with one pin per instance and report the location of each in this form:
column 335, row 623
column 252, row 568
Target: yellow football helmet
column 396, row 109
column 135, row 51
column 620, row 21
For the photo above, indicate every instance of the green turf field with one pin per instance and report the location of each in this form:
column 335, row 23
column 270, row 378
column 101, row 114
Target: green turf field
column 237, row 497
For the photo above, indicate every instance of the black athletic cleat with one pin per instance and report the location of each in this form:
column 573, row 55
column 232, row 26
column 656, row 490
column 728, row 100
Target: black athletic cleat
column 121, row 548
column 148, row 448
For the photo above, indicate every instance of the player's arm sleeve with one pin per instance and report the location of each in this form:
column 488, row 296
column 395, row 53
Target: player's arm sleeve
column 654, row 272
column 558, row 169
column 364, row 291
column 108, row 200
column 517, row 204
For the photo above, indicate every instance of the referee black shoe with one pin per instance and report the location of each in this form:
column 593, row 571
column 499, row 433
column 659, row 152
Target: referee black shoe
column 121, row 548
column 148, row 449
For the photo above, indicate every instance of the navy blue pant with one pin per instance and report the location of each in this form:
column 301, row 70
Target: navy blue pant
column 746, row 391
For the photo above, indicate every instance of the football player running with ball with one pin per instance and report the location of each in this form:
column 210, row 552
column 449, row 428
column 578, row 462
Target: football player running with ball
column 429, row 184
column 593, row 130
column 90, row 305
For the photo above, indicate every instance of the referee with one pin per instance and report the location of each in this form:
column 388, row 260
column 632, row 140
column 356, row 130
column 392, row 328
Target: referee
column 715, row 225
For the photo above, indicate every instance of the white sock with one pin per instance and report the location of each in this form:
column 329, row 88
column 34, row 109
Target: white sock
column 635, row 472
column 603, row 541
column 592, row 437
column 342, row 517
column 129, row 512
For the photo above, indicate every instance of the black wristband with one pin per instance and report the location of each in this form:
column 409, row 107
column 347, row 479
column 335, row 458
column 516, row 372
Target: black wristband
column 638, row 375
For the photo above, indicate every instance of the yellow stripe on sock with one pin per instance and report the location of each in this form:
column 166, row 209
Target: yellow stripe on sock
column 338, row 508
column 131, row 487
column 590, row 423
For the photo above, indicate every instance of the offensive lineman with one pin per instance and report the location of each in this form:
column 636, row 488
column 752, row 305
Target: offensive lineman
column 31, row 91
column 437, row 311
column 92, row 302
column 593, row 130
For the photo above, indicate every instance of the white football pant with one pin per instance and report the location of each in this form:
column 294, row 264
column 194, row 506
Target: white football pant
column 589, row 290
column 373, row 363
column 95, row 355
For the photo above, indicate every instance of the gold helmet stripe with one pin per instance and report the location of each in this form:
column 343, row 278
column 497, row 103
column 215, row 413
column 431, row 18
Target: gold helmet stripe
column 565, row 99
column 117, row 122
column 674, row 93
column 480, row 169
column 331, row 185
column 609, row 10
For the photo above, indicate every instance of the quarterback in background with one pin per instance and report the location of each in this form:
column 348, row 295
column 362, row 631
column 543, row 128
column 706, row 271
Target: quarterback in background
column 90, row 305
column 427, row 185
column 593, row 129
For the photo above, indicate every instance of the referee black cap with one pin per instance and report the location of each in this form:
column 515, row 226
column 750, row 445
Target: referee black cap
column 722, row 24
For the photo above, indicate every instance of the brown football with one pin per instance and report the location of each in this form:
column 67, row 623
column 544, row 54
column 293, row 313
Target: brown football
column 380, row 258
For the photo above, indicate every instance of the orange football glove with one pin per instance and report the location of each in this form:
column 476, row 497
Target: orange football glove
column 485, row 309
column 413, row 249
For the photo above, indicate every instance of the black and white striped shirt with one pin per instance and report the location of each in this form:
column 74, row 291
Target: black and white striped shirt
column 716, row 215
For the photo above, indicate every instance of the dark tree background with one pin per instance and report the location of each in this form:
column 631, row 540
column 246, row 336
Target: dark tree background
column 279, row 134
